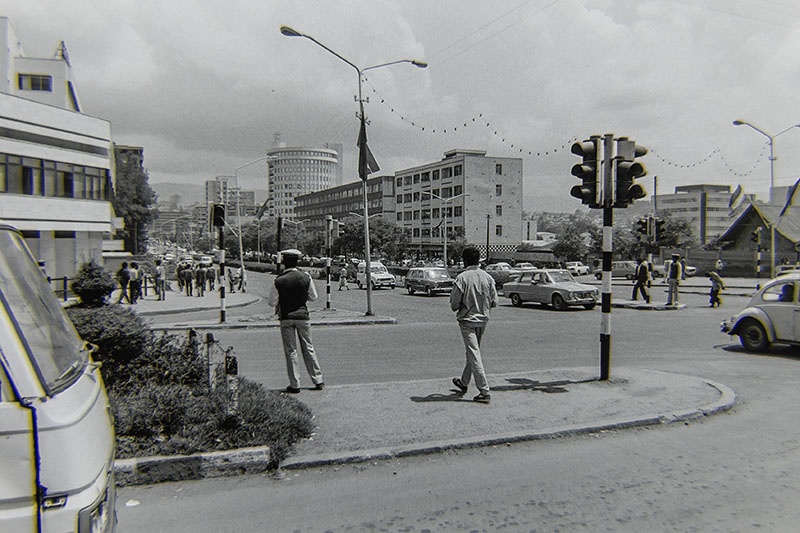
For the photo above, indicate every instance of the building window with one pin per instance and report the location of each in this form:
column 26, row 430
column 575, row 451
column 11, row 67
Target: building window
column 498, row 210
column 426, row 176
column 447, row 192
column 435, row 212
column 435, row 174
column 35, row 82
column 457, row 170
column 498, row 190
column 399, row 198
column 399, row 216
column 416, row 196
column 416, row 232
column 416, row 214
column 416, row 178
column 457, row 211
column 498, row 169
column 408, row 197
column 399, row 182
column 498, row 230
column 447, row 172
column 458, row 189
column 407, row 180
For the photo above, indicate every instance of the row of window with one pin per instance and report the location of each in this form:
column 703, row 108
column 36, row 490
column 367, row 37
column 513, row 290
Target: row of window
column 436, row 194
column 38, row 177
column 35, row 82
column 427, row 214
column 423, row 177
column 454, row 230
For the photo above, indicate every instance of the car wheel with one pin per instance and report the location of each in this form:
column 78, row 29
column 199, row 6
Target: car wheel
column 410, row 290
column 516, row 301
column 359, row 284
column 629, row 276
column 372, row 285
column 428, row 291
column 589, row 307
column 599, row 276
column 558, row 302
column 753, row 336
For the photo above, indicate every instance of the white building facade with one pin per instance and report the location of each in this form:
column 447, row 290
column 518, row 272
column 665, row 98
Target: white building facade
column 56, row 164
column 294, row 171
column 705, row 207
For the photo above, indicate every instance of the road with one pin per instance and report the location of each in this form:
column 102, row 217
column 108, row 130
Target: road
column 738, row 471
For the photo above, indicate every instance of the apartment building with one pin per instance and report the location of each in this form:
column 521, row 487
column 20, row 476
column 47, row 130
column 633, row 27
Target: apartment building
column 56, row 164
column 473, row 195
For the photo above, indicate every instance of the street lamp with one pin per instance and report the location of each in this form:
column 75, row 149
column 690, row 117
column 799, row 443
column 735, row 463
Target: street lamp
column 289, row 32
column 771, row 179
column 444, row 217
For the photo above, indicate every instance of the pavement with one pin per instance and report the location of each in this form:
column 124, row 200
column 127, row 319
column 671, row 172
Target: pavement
column 366, row 422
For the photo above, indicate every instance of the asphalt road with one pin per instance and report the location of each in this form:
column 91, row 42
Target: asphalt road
column 738, row 471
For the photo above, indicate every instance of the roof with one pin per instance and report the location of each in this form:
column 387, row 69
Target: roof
column 787, row 225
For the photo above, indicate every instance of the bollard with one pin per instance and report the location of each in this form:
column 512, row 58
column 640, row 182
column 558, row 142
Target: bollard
column 232, row 379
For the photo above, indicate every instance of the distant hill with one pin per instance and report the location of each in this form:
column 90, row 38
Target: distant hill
column 190, row 194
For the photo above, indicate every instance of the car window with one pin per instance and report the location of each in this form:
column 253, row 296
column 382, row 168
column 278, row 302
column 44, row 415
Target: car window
column 561, row 276
column 525, row 277
column 781, row 292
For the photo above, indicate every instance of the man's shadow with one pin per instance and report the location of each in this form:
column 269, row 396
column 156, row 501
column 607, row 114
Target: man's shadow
column 514, row 384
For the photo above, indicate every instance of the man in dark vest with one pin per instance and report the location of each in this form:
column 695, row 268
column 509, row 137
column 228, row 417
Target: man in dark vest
column 642, row 277
column 289, row 294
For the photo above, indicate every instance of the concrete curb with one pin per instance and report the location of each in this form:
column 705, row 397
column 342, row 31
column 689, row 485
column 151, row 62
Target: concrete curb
column 727, row 401
column 264, row 325
column 193, row 309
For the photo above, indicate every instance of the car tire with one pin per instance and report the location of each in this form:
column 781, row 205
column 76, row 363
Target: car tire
column 428, row 291
column 558, row 302
column 599, row 276
column 372, row 285
column 359, row 284
column 589, row 307
column 410, row 290
column 516, row 301
column 753, row 336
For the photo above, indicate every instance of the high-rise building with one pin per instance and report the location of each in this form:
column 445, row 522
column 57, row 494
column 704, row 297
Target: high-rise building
column 294, row 171
column 57, row 173
column 705, row 207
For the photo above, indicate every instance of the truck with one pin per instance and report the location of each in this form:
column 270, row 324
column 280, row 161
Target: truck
column 57, row 440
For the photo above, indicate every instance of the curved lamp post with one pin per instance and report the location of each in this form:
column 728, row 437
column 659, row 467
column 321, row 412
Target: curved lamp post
column 771, row 179
column 290, row 32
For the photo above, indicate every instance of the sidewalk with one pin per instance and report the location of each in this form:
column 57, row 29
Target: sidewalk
column 358, row 423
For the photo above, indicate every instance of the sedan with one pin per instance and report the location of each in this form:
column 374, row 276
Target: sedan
column 554, row 287
column 770, row 316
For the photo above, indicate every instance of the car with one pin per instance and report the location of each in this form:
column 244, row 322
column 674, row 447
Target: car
column 524, row 266
column 769, row 317
column 429, row 280
column 577, row 268
column 550, row 286
column 619, row 269
column 495, row 267
column 205, row 261
column 378, row 274
column 502, row 273
column 658, row 271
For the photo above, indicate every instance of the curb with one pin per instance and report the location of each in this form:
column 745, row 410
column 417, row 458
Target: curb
column 727, row 401
column 193, row 309
column 158, row 469
column 265, row 325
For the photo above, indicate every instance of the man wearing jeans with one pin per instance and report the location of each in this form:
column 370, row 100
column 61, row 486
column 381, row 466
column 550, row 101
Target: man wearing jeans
column 289, row 294
column 473, row 295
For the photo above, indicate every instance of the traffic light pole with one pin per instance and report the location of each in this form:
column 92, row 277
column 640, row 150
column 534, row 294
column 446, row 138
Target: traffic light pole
column 328, row 239
column 221, row 230
column 607, row 196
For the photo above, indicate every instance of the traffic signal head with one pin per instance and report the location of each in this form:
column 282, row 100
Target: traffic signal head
column 755, row 235
column 659, row 229
column 626, row 170
column 641, row 226
column 218, row 215
column 588, row 171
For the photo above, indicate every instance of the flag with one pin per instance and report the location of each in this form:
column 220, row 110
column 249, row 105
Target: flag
column 790, row 196
column 261, row 210
column 366, row 161
column 736, row 198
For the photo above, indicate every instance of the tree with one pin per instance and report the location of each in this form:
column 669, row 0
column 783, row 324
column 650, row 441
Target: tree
column 133, row 198
column 570, row 245
column 677, row 232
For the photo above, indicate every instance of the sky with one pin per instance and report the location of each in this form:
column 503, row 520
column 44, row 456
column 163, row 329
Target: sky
column 204, row 86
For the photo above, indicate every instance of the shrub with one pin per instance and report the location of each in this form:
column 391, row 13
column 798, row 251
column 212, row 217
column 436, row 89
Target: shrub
column 93, row 284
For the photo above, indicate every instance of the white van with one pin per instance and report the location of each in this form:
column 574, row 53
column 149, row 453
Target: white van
column 379, row 276
column 56, row 432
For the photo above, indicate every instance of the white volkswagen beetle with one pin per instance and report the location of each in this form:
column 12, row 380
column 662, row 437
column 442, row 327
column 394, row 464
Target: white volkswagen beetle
column 771, row 316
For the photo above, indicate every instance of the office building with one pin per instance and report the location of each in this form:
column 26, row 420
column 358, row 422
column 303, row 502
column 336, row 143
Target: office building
column 295, row 171
column 705, row 207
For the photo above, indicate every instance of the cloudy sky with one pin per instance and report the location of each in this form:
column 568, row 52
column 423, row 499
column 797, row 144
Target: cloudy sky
column 205, row 85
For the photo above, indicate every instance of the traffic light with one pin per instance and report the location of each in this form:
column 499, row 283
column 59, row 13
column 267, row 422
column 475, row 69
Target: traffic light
column 755, row 235
column 218, row 215
column 588, row 171
column 626, row 170
column 336, row 229
column 659, row 229
column 641, row 226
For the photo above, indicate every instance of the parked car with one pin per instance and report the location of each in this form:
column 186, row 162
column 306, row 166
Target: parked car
column 502, row 273
column 769, row 317
column 205, row 261
column 429, row 280
column 576, row 268
column 523, row 266
column 619, row 269
column 378, row 274
column 554, row 287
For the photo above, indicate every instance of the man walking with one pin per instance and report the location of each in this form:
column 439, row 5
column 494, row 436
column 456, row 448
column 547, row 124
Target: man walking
column 642, row 276
column 343, row 279
column 472, row 297
column 289, row 294
column 123, row 277
column 673, row 270
column 135, row 283
column 161, row 280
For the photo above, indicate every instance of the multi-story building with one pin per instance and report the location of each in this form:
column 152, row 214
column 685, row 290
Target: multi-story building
column 342, row 201
column 705, row 207
column 57, row 172
column 295, row 171
column 480, row 196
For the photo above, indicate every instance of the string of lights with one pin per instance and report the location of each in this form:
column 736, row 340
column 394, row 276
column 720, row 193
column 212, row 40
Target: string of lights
column 480, row 120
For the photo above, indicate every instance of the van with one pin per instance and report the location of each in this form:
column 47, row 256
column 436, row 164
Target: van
column 56, row 432
column 379, row 276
